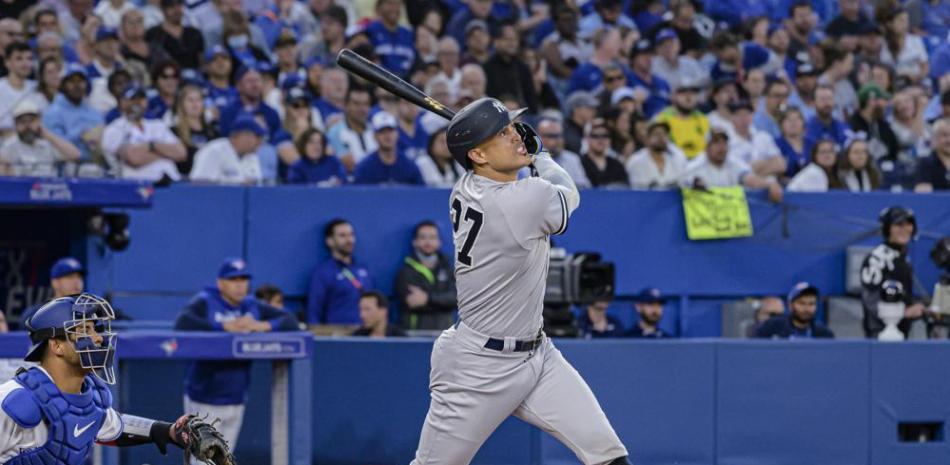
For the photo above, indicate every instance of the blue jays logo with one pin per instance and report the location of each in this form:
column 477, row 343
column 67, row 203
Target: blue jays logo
column 170, row 346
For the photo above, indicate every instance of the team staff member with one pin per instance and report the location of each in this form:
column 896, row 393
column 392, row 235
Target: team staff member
column 66, row 277
column 425, row 284
column 800, row 321
column 888, row 261
column 649, row 305
column 594, row 322
column 336, row 284
column 219, row 388
column 374, row 314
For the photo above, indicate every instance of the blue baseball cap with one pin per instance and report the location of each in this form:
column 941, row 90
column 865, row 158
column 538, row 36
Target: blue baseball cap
column 315, row 60
column 291, row 81
column 800, row 289
column 133, row 91
column 241, row 71
column 75, row 68
column 296, row 94
column 106, row 33
column 664, row 34
column 66, row 266
column 651, row 295
column 246, row 123
column 234, row 268
column 215, row 51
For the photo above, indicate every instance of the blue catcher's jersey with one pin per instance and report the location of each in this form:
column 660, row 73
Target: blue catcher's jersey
column 41, row 424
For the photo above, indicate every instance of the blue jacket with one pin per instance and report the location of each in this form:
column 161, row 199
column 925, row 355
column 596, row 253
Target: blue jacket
column 659, row 93
column 223, row 383
column 781, row 327
column 276, row 132
column 334, row 296
column 816, row 130
column 305, row 171
column 372, row 170
column 586, row 330
column 795, row 160
column 395, row 49
column 587, row 76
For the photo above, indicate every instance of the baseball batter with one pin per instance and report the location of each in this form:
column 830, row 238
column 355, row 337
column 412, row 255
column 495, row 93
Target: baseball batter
column 496, row 361
column 53, row 413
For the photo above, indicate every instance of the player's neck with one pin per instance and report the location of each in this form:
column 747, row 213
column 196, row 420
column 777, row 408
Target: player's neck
column 68, row 379
column 498, row 176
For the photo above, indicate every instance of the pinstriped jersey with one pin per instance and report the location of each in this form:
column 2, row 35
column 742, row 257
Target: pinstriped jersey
column 502, row 251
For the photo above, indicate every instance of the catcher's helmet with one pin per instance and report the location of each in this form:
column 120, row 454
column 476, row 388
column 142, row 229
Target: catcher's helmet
column 476, row 123
column 68, row 317
column 895, row 215
column 892, row 291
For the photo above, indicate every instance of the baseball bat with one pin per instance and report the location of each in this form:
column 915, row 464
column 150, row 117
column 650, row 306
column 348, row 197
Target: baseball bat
column 355, row 64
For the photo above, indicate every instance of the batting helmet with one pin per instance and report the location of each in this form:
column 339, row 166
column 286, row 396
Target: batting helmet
column 476, row 123
column 892, row 291
column 895, row 215
column 67, row 317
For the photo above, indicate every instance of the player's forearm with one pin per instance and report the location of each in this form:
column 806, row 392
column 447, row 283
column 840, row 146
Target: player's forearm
column 551, row 172
column 137, row 431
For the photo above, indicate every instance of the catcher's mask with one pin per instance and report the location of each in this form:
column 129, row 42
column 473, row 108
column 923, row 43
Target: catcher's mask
column 85, row 320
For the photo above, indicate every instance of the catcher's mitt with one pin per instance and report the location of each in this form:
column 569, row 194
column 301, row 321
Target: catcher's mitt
column 202, row 441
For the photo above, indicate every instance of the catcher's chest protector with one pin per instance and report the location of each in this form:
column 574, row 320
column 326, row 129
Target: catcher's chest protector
column 73, row 420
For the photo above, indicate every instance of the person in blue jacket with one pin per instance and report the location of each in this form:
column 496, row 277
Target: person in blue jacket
column 799, row 322
column 219, row 388
column 649, row 305
column 315, row 167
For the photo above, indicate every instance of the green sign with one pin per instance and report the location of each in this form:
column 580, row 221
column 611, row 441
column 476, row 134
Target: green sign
column 716, row 213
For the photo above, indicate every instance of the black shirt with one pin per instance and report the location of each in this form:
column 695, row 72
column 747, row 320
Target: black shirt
column 781, row 327
column 186, row 51
column 932, row 171
column 510, row 78
column 391, row 331
column 841, row 26
column 613, row 175
column 885, row 262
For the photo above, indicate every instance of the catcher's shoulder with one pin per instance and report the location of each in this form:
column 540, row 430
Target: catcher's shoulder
column 19, row 405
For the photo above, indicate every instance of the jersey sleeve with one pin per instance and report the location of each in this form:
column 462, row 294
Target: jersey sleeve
column 534, row 208
column 111, row 427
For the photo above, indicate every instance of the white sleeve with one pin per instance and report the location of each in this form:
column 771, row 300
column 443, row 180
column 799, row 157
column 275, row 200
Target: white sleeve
column 112, row 138
column 163, row 135
column 111, row 427
column 202, row 170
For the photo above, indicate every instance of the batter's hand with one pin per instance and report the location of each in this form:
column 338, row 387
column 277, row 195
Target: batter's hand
column 532, row 143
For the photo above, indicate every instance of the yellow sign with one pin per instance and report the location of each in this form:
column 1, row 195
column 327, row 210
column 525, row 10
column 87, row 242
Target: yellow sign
column 717, row 213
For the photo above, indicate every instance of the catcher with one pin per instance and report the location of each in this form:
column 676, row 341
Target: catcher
column 52, row 413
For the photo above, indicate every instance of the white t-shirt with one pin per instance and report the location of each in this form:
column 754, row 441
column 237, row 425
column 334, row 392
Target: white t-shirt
column 760, row 146
column 217, row 162
column 38, row 159
column 435, row 178
column 10, row 98
column 111, row 16
column 14, row 438
column 810, row 179
column 645, row 174
column 910, row 56
column 121, row 132
column 729, row 174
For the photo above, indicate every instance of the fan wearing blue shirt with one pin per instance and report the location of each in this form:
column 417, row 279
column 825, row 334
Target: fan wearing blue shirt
column 249, row 102
column 799, row 322
column 649, row 305
column 387, row 165
column 824, row 125
column 218, row 66
column 316, row 166
column 642, row 76
column 394, row 44
column 336, row 284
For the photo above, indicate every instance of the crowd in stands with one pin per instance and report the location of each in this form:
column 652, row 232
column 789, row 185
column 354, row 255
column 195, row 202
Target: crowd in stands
column 646, row 94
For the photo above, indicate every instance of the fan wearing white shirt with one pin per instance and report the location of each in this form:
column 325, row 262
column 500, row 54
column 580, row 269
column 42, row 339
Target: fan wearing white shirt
column 232, row 159
column 817, row 175
column 551, row 132
column 715, row 168
column 655, row 166
column 141, row 148
column 751, row 146
column 16, row 88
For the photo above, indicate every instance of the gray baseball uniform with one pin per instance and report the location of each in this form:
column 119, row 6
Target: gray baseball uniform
column 502, row 254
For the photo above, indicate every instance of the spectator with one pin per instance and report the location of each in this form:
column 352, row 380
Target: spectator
column 581, row 109
column 669, row 64
column 751, row 146
column 140, row 148
column 285, row 55
column 607, row 14
column 614, row 81
column 184, row 44
column 393, row 43
column 219, row 388
column 882, row 143
column 71, row 117
column 299, row 116
column 792, row 143
column 933, row 172
column 800, row 321
column 643, row 79
column 190, row 125
column 474, row 82
column 848, row 25
column 238, row 38
column 649, row 304
column 106, row 56
column 684, row 23
column 824, row 124
column 16, row 87
column 49, row 45
column 85, row 45
column 723, row 92
column 352, row 139
column 218, row 71
column 50, row 76
column 33, row 150
column 905, row 51
column 595, row 323
column 932, row 17
column 425, row 285
column 725, row 47
column 336, row 284
column 167, row 77
column 232, row 159
column 715, row 168
column 552, row 139
column 507, row 74
column 374, row 316
column 656, row 166
column 912, row 134
column 473, row 10
column 332, row 38
column 120, row 80
column 437, row 166
column 688, row 126
column 622, row 131
column 563, row 50
column 250, row 103
column 856, row 171
column 76, row 14
column 316, row 166
column 839, row 64
column 589, row 75
column 776, row 100
column 136, row 50
column 819, row 174
column 334, row 91
column 780, row 60
column 753, row 84
column 803, row 96
column 448, row 57
column 387, row 164
column 477, row 43
column 889, row 261
column 413, row 139
column 602, row 169
column 766, row 308
column 111, row 11
column 801, row 28
column 547, row 97
column 270, row 295
column 10, row 31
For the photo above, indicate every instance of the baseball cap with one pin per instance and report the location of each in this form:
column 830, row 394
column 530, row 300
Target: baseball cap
column 216, row 51
column 171, row 3
column 248, row 124
column 295, row 94
column 658, row 123
column 106, row 33
column 133, row 91
column 190, row 76
column 287, row 37
column 581, row 98
column 665, row 34
column 75, row 68
column 292, row 80
column 26, row 107
column 234, row 268
column 65, row 266
column 717, row 132
column 475, row 24
column 871, row 90
column 685, row 82
column 620, row 94
column 384, row 120
column 650, row 295
column 806, row 69
column 241, row 71
column 741, row 104
column 642, row 46
column 800, row 289
column 314, row 61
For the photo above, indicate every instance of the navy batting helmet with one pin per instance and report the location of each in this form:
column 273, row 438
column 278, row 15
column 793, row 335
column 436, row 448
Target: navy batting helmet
column 67, row 317
column 892, row 291
column 476, row 123
column 895, row 215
